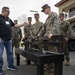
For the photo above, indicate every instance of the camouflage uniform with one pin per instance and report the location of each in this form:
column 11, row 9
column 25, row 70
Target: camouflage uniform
column 16, row 37
column 64, row 27
column 51, row 26
column 36, row 27
column 27, row 33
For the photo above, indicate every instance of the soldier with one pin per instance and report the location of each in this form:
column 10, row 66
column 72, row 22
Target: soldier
column 27, row 28
column 50, row 28
column 37, row 26
column 64, row 28
column 16, row 36
column 27, row 33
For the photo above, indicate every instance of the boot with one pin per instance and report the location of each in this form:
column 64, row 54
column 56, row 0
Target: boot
column 67, row 63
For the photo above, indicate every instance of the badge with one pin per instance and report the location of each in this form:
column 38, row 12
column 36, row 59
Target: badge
column 7, row 22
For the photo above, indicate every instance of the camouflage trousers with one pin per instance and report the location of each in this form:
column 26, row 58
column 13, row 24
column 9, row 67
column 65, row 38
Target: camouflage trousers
column 66, row 50
column 15, row 43
column 50, row 67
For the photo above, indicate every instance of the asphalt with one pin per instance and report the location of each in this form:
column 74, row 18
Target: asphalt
column 24, row 69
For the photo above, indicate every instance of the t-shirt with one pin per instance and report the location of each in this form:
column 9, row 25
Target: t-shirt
column 5, row 27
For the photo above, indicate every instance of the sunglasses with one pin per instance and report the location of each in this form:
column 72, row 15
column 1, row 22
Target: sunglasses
column 7, row 11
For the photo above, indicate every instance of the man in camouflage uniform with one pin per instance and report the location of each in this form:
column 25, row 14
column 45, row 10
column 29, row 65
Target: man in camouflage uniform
column 64, row 28
column 16, row 36
column 50, row 28
column 27, row 33
column 27, row 29
column 37, row 26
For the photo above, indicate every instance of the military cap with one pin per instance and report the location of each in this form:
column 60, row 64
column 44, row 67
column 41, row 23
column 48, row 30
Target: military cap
column 36, row 14
column 61, row 14
column 29, row 18
column 45, row 7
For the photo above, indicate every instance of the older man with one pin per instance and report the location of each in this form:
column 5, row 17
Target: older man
column 5, row 38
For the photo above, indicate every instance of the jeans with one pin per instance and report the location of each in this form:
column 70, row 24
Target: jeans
column 8, row 47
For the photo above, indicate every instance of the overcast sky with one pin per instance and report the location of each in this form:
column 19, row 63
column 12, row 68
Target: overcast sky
column 23, row 7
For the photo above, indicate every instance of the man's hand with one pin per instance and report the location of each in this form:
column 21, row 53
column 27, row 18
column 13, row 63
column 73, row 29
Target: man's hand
column 25, row 24
column 20, row 25
column 50, row 35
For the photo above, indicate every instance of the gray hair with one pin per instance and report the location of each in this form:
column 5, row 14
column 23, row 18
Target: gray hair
column 4, row 8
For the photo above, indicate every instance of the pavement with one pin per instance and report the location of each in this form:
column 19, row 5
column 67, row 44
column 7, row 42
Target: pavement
column 24, row 69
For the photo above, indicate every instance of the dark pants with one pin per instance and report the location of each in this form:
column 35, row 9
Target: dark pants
column 27, row 45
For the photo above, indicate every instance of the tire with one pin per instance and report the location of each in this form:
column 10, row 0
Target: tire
column 71, row 45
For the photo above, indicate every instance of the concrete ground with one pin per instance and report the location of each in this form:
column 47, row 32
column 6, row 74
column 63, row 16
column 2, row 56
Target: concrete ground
column 24, row 69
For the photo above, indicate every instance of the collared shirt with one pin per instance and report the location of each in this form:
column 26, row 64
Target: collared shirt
column 5, row 27
column 27, row 31
column 64, row 28
column 52, row 24
column 36, row 28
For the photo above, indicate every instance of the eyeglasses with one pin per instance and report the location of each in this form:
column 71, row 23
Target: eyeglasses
column 7, row 11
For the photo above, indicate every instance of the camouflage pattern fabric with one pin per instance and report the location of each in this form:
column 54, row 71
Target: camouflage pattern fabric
column 27, row 31
column 36, row 27
column 16, row 36
column 64, row 28
column 51, row 26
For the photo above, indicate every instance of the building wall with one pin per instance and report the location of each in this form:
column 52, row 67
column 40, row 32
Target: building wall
column 66, row 4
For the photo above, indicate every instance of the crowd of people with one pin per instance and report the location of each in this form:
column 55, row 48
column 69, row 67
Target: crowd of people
column 11, row 35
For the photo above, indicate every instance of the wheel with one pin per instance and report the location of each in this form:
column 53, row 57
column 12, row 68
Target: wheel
column 72, row 45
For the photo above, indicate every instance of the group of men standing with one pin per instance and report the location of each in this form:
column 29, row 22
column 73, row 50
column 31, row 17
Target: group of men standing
column 53, row 25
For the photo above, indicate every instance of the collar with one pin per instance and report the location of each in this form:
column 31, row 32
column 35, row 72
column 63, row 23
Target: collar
column 4, row 17
column 50, row 15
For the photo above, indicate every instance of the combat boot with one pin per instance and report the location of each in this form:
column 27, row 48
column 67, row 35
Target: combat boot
column 67, row 63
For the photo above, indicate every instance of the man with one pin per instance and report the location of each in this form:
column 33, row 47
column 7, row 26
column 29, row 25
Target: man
column 27, row 33
column 50, row 28
column 37, row 26
column 16, row 36
column 64, row 28
column 5, row 36
column 27, row 29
